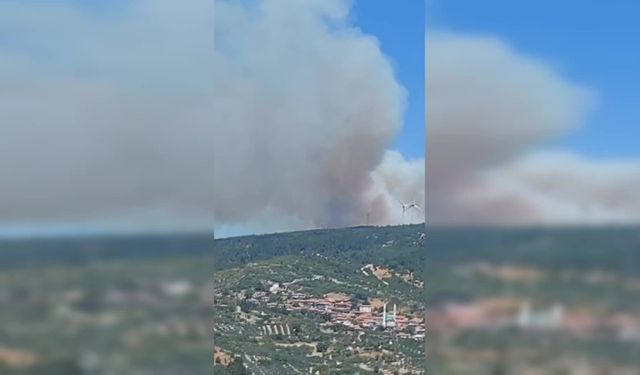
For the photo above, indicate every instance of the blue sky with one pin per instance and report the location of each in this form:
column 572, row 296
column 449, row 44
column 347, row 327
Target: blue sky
column 593, row 43
column 399, row 27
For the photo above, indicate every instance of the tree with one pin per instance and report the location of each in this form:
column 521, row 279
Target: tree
column 246, row 306
column 322, row 347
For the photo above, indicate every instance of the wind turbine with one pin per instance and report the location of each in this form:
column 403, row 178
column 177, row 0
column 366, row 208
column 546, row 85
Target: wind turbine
column 408, row 206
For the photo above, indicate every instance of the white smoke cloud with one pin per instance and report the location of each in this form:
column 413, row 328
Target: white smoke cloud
column 560, row 188
column 396, row 181
column 490, row 111
column 304, row 117
column 135, row 120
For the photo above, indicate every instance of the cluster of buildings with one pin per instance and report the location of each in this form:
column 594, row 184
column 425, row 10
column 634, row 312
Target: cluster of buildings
column 361, row 326
column 341, row 310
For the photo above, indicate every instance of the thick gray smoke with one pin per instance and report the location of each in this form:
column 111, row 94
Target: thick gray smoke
column 490, row 111
column 306, row 109
column 134, row 120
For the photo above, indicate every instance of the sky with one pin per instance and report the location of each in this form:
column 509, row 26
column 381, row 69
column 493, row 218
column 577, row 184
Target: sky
column 590, row 42
column 400, row 30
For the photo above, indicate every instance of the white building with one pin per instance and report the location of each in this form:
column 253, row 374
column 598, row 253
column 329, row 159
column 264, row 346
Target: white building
column 274, row 288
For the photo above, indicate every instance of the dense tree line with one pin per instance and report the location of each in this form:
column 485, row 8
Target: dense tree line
column 400, row 247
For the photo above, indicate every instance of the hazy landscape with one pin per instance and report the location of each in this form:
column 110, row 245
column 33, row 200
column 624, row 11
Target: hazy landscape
column 145, row 304
column 533, row 301
column 520, row 301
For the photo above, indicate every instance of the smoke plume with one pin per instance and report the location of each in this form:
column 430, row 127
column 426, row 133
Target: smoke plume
column 490, row 113
column 276, row 112
column 303, row 118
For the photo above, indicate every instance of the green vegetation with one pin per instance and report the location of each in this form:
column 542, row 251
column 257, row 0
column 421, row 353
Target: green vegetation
column 106, row 305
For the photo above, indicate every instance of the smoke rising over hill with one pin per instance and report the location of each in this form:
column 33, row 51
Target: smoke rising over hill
column 304, row 117
column 136, row 121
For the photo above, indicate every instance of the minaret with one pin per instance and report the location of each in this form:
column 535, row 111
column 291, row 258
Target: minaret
column 394, row 312
column 384, row 315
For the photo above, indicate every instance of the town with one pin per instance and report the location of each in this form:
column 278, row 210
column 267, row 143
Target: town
column 349, row 326
column 340, row 309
